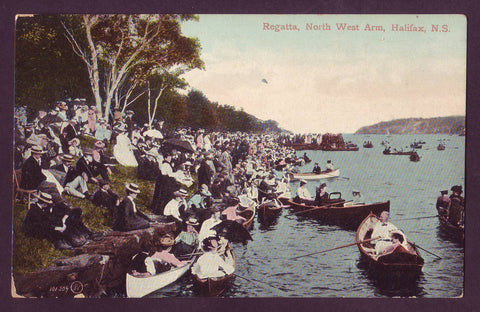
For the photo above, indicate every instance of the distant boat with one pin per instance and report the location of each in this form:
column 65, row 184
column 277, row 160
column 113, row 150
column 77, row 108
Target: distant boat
column 441, row 147
column 317, row 176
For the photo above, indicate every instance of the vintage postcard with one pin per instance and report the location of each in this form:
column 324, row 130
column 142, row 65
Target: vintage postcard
column 239, row 156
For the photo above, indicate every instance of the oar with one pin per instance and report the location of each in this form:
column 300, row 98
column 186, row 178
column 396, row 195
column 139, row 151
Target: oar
column 418, row 218
column 263, row 283
column 427, row 251
column 319, row 207
column 345, row 178
column 335, row 248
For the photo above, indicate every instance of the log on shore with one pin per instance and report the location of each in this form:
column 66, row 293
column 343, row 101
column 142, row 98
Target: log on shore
column 67, row 277
column 97, row 266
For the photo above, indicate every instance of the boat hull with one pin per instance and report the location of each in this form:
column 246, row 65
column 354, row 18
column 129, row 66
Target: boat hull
column 400, row 263
column 314, row 176
column 341, row 213
column 138, row 287
column 211, row 287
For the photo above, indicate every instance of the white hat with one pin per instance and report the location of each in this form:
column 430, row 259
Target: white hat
column 132, row 187
column 303, row 181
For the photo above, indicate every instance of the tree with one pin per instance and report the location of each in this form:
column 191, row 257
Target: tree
column 46, row 69
column 120, row 48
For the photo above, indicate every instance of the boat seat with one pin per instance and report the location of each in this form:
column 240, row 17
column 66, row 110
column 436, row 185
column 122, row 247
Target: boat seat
column 19, row 190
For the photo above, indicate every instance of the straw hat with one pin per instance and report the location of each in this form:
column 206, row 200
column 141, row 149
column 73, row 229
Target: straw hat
column 167, row 240
column 192, row 221
column 37, row 149
column 99, row 144
column 180, row 192
column 74, row 142
column 132, row 187
column 67, row 158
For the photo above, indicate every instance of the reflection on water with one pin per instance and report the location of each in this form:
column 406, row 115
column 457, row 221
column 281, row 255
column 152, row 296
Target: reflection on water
column 412, row 189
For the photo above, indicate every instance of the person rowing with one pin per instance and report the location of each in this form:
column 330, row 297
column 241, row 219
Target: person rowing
column 385, row 234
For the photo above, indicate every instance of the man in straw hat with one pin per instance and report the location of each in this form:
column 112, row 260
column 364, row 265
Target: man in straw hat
column 187, row 240
column 128, row 217
column 74, row 183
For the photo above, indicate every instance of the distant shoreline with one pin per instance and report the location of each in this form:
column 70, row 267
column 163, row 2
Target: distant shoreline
column 436, row 125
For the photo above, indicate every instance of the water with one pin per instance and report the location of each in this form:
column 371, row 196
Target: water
column 412, row 189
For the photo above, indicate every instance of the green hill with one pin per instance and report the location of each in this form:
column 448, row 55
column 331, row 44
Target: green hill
column 437, row 125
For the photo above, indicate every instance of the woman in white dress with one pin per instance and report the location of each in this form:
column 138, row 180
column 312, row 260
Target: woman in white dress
column 123, row 151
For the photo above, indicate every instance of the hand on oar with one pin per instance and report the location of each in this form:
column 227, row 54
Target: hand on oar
column 335, row 248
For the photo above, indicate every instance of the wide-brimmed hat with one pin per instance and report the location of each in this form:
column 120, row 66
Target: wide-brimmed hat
column 323, row 185
column 74, row 140
column 62, row 106
column 244, row 201
column 37, row 149
column 444, row 192
column 204, row 190
column 67, row 158
column 99, row 144
column 132, row 187
column 45, row 197
column 180, row 192
column 192, row 221
column 303, row 181
column 457, row 189
column 167, row 240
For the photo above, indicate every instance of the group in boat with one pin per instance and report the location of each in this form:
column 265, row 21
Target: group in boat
column 451, row 208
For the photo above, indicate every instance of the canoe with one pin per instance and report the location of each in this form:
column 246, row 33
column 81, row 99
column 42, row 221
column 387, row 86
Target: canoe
column 368, row 145
column 340, row 212
column 211, row 287
column 456, row 231
column 138, row 287
column 317, row 176
column 399, row 263
column 249, row 214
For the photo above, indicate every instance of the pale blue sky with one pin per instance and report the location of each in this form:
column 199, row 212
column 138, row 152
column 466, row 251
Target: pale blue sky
column 335, row 81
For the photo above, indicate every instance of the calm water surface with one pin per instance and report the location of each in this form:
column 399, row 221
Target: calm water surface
column 412, row 189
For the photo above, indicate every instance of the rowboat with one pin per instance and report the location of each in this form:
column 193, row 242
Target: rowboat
column 402, row 261
column 441, row 147
column 215, row 286
column 388, row 152
column 138, row 287
column 269, row 209
column 317, row 176
column 340, row 212
column 455, row 231
column 249, row 214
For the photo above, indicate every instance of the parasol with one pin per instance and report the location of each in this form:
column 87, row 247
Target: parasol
column 153, row 133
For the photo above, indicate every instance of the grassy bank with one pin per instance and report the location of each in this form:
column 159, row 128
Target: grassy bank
column 31, row 254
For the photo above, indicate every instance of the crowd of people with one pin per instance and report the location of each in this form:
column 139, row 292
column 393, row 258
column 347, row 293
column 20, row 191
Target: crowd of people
column 53, row 157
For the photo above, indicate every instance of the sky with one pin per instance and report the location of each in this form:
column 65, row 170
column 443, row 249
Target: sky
column 321, row 80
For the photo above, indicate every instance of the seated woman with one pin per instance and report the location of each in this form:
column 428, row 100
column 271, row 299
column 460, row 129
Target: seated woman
column 230, row 212
column 187, row 241
column 212, row 264
column 146, row 264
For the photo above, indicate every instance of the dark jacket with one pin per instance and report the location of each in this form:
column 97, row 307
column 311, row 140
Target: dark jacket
column 126, row 219
column 32, row 175
column 107, row 199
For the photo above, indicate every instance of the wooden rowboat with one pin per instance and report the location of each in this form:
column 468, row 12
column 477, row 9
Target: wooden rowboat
column 212, row 287
column 249, row 214
column 401, row 262
column 138, row 287
column 269, row 209
column 317, row 176
column 340, row 212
